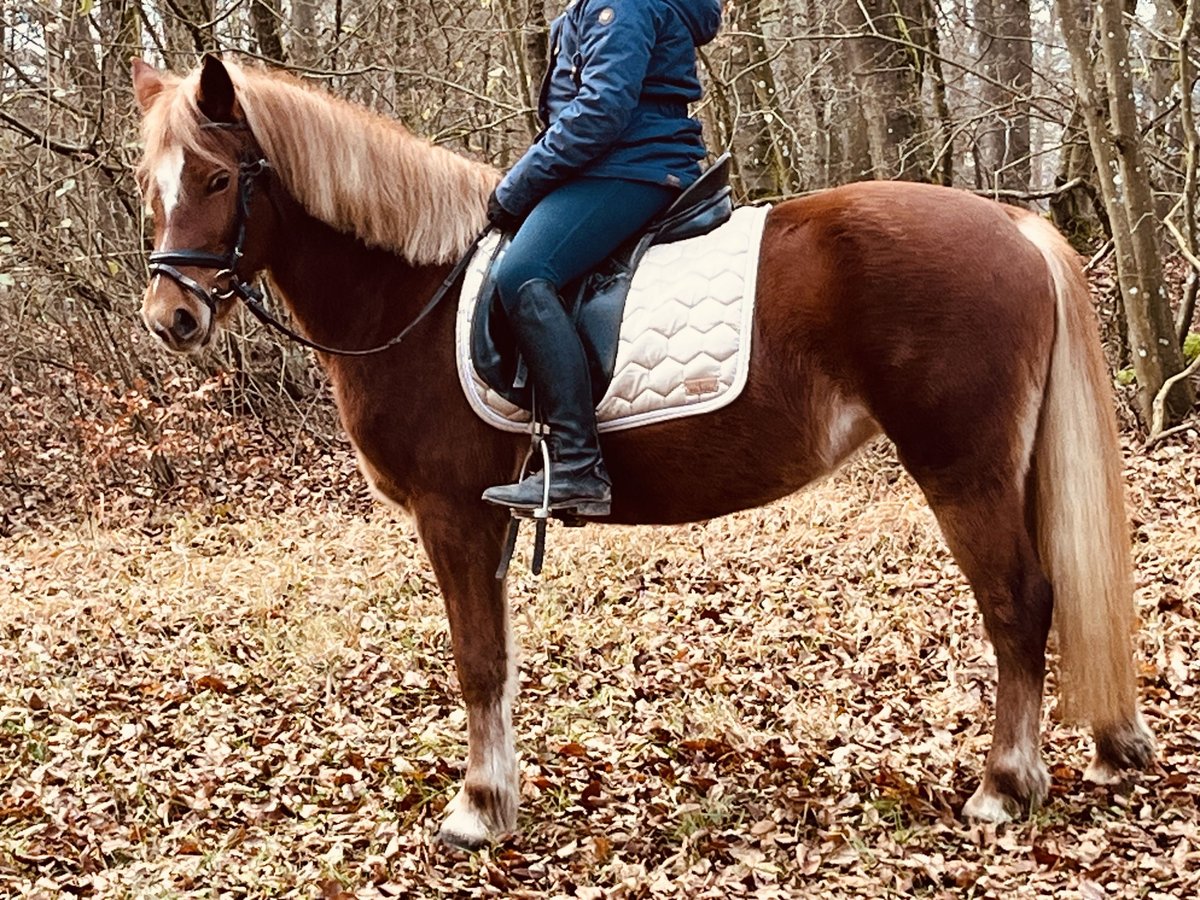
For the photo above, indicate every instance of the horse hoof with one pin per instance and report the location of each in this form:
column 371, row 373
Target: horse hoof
column 1127, row 745
column 463, row 835
column 1100, row 772
column 990, row 806
column 1012, row 783
column 478, row 816
column 465, row 830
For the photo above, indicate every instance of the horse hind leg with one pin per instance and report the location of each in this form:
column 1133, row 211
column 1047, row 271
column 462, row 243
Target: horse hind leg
column 988, row 533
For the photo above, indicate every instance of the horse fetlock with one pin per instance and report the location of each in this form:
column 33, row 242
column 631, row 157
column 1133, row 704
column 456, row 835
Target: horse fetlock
column 479, row 815
column 1119, row 747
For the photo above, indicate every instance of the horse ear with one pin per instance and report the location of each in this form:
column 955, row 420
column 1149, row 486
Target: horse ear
column 215, row 98
column 147, row 82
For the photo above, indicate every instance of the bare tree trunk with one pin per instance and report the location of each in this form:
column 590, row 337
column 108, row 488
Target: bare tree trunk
column 518, row 45
column 1006, row 42
column 1078, row 212
column 943, row 163
column 719, row 116
column 1125, row 185
column 1189, row 237
column 1163, row 78
column 886, row 68
column 537, row 47
column 774, row 146
column 304, row 49
column 760, row 138
column 848, row 123
column 266, row 16
column 82, row 66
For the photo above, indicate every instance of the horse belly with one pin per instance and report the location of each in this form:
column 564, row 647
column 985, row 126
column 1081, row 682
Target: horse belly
column 750, row 453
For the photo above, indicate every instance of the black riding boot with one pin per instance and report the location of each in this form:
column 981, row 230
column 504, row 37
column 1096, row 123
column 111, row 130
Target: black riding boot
column 562, row 390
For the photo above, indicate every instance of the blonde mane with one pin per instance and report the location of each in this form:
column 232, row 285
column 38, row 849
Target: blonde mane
column 355, row 170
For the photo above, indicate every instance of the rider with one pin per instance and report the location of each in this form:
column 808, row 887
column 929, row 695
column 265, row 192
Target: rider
column 619, row 146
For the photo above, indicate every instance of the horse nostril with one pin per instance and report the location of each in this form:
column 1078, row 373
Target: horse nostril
column 184, row 325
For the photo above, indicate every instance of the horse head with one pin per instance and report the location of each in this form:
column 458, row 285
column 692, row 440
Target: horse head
column 200, row 169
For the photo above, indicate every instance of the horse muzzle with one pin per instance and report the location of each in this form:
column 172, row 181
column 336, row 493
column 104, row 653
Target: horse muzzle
column 182, row 325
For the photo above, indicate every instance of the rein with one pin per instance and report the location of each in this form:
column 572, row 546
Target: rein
column 165, row 262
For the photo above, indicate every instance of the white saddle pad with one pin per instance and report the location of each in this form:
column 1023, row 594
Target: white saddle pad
column 684, row 345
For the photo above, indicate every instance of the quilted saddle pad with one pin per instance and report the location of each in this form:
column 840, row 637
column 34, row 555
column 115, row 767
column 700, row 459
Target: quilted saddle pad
column 684, row 345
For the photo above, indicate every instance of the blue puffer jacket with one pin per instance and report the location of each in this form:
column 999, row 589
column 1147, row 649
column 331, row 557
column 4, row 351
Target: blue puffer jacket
column 615, row 97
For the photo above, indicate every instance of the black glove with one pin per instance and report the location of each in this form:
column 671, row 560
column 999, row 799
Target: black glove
column 500, row 217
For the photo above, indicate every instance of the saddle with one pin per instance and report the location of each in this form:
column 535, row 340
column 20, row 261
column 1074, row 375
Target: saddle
column 596, row 301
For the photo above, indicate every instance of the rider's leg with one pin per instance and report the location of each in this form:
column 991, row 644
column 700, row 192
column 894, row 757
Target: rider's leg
column 566, row 235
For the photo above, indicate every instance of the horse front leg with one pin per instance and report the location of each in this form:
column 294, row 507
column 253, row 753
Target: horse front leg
column 463, row 541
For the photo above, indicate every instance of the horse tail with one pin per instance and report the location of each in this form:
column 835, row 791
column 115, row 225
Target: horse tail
column 1079, row 506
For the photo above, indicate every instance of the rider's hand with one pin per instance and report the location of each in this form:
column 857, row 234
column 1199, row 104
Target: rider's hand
column 500, row 217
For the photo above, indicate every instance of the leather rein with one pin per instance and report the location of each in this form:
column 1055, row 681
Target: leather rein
column 166, row 262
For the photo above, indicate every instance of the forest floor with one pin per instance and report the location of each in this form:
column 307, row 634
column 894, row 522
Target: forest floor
column 252, row 695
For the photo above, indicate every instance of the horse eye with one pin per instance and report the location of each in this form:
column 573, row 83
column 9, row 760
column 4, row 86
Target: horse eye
column 218, row 183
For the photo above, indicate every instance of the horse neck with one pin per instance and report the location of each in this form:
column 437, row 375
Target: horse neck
column 340, row 291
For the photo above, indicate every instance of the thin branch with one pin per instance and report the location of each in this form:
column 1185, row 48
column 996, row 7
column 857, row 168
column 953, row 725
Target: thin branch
column 1007, row 194
column 73, row 151
column 1181, row 244
column 1160, row 402
column 1100, row 255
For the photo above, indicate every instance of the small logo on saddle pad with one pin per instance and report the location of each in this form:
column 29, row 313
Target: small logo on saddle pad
column 606, row 15
column 696, row 387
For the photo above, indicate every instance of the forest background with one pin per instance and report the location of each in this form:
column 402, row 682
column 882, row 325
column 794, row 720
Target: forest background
column 223, row 670
column 1084, row 110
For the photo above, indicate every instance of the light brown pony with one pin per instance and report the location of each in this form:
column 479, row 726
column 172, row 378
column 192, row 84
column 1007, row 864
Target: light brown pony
column 959, row 327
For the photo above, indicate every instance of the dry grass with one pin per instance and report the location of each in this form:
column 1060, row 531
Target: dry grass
column 793, row 701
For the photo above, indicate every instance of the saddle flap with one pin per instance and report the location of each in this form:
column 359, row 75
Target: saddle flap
column 712, row 181
column 599, row 302
column 491, row 336
column 703, row 206
column 697, row 220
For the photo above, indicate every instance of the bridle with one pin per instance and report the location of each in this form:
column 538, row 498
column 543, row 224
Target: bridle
column 250, row 169
column 164, row 262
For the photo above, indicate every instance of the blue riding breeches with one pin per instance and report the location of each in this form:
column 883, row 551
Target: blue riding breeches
column 575, row 228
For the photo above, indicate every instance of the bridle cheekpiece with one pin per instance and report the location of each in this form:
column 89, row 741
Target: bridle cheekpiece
column 164, row 262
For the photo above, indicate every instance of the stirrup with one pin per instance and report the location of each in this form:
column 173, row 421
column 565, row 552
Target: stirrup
column 540, row 516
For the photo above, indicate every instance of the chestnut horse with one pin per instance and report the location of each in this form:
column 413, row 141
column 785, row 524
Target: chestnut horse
column 958, row 327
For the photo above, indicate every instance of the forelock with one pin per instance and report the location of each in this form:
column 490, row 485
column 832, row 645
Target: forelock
column 173, row 122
